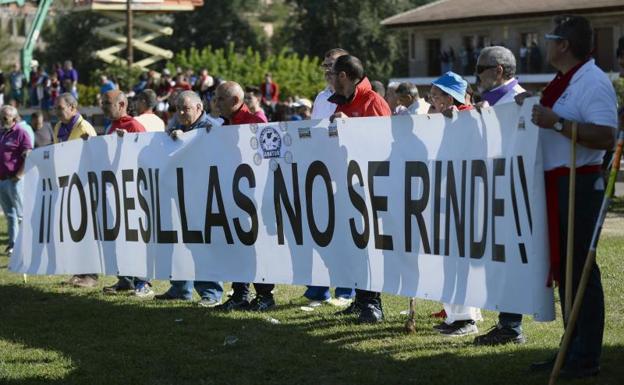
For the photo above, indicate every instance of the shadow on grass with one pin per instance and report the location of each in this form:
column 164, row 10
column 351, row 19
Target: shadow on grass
column 126, row 342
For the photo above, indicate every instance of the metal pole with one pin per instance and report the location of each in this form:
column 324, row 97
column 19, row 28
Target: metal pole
column 129, row 26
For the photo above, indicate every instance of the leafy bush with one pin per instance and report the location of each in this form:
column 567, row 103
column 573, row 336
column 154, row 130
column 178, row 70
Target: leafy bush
column 619, row 90
column 295, row 75
column 88, row 95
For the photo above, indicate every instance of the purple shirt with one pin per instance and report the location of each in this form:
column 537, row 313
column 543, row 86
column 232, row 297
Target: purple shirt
column 13, row 143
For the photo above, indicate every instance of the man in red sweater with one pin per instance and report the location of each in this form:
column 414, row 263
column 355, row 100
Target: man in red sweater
column 115, row 108
column 356, row 98
column 229, row 100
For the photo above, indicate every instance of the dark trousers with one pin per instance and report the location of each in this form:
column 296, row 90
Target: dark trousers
column 586, row 343
column 366, row 297
column 241, row 290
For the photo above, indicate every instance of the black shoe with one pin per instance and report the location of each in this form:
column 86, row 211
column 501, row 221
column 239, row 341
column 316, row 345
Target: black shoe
column 499, row 335
column 371, row 314
column 354, row 309
column 166, row 296
column 233, row 303
column 118, row 287
column 262, row 303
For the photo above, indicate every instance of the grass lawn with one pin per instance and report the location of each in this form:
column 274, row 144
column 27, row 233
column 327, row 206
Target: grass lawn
column 54, row 334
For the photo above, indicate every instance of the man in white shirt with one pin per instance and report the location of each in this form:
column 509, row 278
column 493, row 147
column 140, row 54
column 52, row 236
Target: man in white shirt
column 322, row 108
column 580, row 93
column 146, row 101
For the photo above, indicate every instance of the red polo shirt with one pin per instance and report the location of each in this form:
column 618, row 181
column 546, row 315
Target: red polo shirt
column 365, row 102
column 127, row 123
column 244, row 116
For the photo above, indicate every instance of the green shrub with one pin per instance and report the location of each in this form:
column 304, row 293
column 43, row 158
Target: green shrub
column 295, row 75
column 87, row 95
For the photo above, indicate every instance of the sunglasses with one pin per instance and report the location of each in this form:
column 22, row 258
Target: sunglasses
column 480, row 69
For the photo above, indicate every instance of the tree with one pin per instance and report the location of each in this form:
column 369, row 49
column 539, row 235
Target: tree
column 217, row 24
column 319, row 25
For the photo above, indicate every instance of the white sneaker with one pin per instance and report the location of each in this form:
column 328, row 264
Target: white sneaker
column 317, row 303
column 144, row 290
column 340, row 301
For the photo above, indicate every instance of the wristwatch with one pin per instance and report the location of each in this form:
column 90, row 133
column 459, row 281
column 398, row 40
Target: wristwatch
column 558, row 126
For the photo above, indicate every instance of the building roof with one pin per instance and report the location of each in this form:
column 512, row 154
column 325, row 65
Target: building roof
column 472, row 10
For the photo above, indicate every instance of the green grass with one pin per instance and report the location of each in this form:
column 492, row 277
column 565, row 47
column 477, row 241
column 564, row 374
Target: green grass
column 53, row 334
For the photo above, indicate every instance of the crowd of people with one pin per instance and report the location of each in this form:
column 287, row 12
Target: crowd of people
column 580, row 94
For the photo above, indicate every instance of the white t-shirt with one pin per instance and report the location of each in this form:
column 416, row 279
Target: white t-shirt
column 151, row 122
column 509, row 96
column 323, row 109
column 419, row 107
column 589, row 98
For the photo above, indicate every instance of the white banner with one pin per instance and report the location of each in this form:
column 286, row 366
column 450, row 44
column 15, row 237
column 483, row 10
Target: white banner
column 443, row 209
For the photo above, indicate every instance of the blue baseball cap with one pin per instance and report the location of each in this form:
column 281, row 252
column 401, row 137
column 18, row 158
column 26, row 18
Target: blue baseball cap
column 452, row 84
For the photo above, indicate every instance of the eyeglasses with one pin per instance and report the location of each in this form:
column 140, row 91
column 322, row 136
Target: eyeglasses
column 550, row 36
column 480, row 69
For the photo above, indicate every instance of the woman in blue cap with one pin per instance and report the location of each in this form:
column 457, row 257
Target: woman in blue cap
column 448, row 93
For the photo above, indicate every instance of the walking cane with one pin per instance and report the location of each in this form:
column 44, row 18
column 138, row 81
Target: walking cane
column 589, row 262
column 410, row 324
column 571, row 212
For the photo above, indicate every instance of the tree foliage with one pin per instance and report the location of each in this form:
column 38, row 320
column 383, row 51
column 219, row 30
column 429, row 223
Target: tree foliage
column 216, row 24
column 296, row 75
column 319, row 25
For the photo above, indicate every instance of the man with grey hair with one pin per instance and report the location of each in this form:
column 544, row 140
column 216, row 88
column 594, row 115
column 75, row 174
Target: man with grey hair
column 15, row 145
column 496, row 68
column 409, row 101
column 146, row 102
column 115, row 108
column 495, row 71
column 190, row 115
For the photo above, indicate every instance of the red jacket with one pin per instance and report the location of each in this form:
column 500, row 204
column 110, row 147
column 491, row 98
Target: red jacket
column 274, row 92
column 365, row 102
column 127, row 123
column 243, row 116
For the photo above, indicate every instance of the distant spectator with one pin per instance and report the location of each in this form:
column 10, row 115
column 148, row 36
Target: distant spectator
column 164, row 90
column 181, row 84
column 26, row 127
column 16, row 79
column 269, row 90
column 303, row 109
column 535, row 58
column 146, row 102
column 33, row 99
column 379, row 88
column 619, row 53
column 409, row 101
column 252, row 100
column 44, row 134
column 524, row 58
column 41, row 88
column 106, row 85
column 69, row 79
column 391, row 96
column 141, row 85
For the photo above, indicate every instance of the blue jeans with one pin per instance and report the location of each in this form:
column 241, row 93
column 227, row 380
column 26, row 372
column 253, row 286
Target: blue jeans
column 205, row 289
column 322, row 293
column 11, row 194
